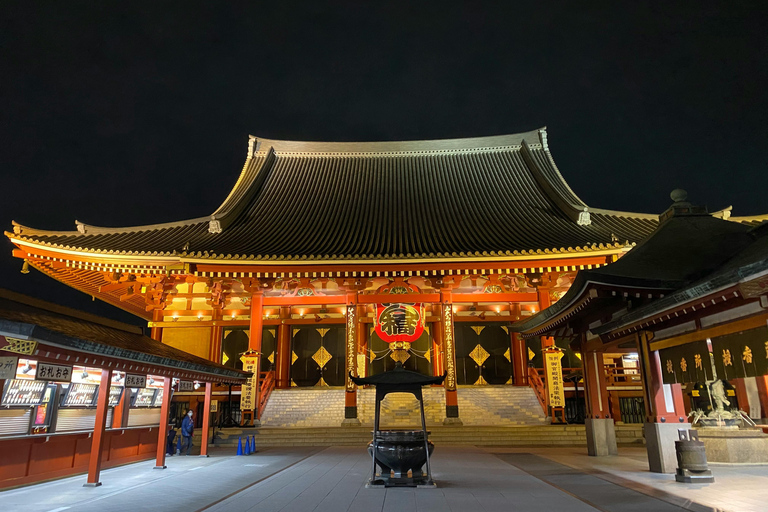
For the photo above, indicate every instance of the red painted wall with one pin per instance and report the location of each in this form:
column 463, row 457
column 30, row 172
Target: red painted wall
column 33, row 459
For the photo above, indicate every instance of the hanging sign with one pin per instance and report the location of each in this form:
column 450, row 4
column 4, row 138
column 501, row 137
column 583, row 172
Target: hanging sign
column 135, row 381
column 248, row 390
column 186, row 385
column 26, row 347
column 55, row 372
column 399, row 322
column 214, row 406
column 8, row 367
column 554, row 372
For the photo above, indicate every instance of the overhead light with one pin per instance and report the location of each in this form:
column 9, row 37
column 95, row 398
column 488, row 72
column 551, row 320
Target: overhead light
column 197, row 385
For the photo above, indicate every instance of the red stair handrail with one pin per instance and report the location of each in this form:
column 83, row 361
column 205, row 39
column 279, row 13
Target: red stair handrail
column 267, row 385
column 538, row 386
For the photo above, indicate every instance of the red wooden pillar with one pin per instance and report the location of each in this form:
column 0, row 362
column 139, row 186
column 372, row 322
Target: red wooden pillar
column 254, row 343
column 156, row 333
column 162, row 431
column 658, row 407
column 449, row 351
column 120, row 412
column 97, row 443
column 283, row 366
column 595, row 385
column 519, row 360
column 762, row 391
column 217, row 333
column 206, row 419
column 438, row 366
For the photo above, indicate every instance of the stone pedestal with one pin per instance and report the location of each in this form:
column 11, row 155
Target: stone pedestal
column 745, row 446
column 601, row 437
column 660, row 443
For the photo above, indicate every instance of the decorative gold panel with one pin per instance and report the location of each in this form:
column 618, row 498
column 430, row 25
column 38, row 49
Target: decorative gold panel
column 293, row 384
column 361, row 364
column 478, row 329
column 506, row 329
column 481, row 381
column 426, row 328
column 428, row 356
column 271, row 358
column 322, row 357
column 479, row 355
column 508, row 355
column 531, row 354
column 400, row 355
column 372, row 355
column 295, row 331
column 294, row 357
column 323, row 331
column 273, row 332
column 321, row 382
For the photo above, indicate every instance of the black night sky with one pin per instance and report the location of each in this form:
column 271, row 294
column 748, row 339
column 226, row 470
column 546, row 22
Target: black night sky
column 139, row 113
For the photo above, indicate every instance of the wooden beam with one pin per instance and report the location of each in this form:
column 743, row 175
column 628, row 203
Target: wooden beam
column 744, row 324
column 495, row 297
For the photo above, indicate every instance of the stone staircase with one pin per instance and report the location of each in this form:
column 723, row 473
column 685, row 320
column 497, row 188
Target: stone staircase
column 528, row 435
column 478, row 406
column 491, row 416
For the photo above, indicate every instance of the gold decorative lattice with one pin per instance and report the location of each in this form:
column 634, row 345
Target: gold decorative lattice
column 16, row 346
column 323, row 331
column 322, row 357
column 479, row 355
column 271, row 358
column 481, row 381
column 294, row 357
column 478, row 329
column 506, row 329
column 508, row 355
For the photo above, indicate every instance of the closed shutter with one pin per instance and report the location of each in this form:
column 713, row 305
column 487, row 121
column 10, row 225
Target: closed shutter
column 142, row 417
column 69, row 420
column 15, row 421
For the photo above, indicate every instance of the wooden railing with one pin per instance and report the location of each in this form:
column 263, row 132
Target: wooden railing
column 538, row 386
column 267, row 385
column 623, row 376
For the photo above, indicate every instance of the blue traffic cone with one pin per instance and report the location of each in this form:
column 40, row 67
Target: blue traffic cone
column 253, row 444
column 178, row 445
column 247, row 446
column 239, row 446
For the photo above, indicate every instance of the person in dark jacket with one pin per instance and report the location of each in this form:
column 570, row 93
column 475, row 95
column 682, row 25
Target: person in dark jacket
column 187, row 429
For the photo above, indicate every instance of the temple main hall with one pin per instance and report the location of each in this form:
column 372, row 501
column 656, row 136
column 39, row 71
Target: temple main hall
column 336, row 259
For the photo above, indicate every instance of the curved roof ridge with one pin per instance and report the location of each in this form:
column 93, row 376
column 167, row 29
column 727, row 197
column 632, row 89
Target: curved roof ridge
column 87, row 229
column 406, row 146
column 620, row 213
column 750, row 218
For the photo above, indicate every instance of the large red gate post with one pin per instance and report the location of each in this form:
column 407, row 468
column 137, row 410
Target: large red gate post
column 206, row 419
column 97, row 443
column 162, row 431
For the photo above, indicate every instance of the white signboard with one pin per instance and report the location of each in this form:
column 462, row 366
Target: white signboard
column 55, row 372
column 135, row 381
column 8, row 367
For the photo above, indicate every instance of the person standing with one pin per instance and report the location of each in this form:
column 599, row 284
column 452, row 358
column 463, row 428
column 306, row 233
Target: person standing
column 187, row 429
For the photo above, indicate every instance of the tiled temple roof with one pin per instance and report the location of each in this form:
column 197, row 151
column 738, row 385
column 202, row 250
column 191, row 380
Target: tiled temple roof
column 458, row 198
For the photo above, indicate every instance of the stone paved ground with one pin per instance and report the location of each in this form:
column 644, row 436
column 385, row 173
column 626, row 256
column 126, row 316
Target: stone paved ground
column 333, row 479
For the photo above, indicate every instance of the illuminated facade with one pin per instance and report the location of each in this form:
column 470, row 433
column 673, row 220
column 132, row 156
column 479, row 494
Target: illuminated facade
column 461, row 237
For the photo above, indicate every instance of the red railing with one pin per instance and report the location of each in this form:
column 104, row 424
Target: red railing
column 538, row 386
column 267, row 385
